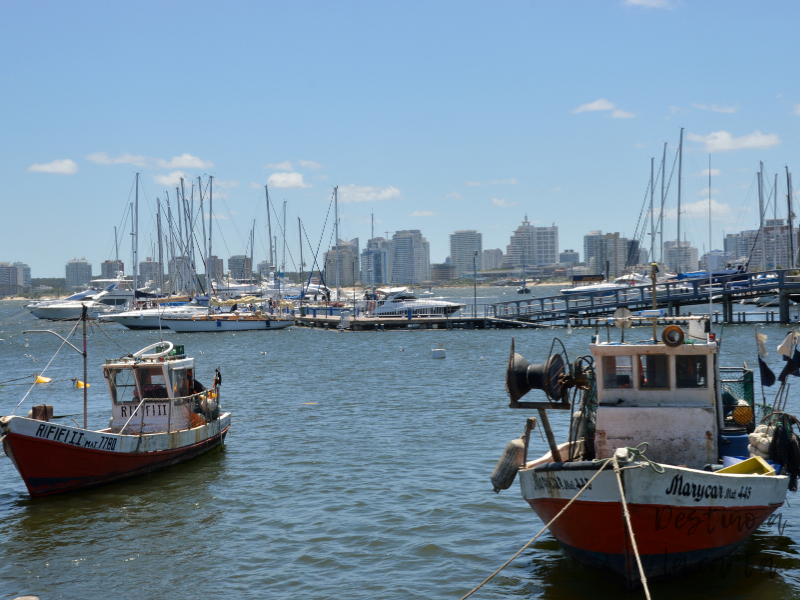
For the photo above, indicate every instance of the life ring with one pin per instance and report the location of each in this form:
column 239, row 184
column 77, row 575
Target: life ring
column 673, row 336
column 370, row 305
column 141, row 353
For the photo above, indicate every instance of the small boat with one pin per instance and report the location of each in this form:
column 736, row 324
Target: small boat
column 426, row 294
column 152, row 318
column 686, row 512
column 71, row 310
column 230, row 321
column 160, row 416
column 523, row 289
column 398, row 302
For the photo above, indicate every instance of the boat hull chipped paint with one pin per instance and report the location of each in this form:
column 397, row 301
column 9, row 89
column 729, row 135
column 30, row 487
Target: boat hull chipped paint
column 54, row 458
column 684, row 520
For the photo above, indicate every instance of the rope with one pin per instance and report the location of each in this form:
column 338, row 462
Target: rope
column 628, row 521
column 553, row 520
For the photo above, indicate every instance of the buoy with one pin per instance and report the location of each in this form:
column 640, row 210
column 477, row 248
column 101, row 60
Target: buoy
column 506, row 469
column 26, row 342
column 80, row 385
column 438, row 352
column 40, row 379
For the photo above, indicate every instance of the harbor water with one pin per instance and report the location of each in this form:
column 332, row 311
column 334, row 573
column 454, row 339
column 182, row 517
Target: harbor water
column 356, row 467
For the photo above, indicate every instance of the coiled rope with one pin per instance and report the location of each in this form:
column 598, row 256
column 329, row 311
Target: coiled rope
column 637, row 452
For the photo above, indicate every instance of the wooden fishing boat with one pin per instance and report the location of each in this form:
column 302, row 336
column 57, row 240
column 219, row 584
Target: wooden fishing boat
column 686, row 513
column 161, row 416
column 246, row 321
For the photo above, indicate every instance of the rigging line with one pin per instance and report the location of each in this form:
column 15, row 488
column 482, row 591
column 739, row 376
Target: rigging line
column 316, row 254
column 280, row 227
column 666, row 193
column 233, row 222
column 58, row 370
column 110, row 338
column 48, row 364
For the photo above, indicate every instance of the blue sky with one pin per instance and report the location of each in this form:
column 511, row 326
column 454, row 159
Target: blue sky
column 436, row 116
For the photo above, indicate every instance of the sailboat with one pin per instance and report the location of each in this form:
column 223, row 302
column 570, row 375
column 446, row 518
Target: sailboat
column 523, row 289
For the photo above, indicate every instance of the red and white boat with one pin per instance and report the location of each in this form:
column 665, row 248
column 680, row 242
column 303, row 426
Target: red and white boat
column 685, row 513
column 161, row 416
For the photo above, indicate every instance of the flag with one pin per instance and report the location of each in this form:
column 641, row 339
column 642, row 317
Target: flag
column 790, row 368
column 761, row 344
column 787, row 344
column 796, row 360
column 767, row 376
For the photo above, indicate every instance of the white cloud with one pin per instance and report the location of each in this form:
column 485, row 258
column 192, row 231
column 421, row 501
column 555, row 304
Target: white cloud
column 649, row 3
column 556, row 189
column 60, row 166
column 474, row 183
column 255, row 186
column 640, row 145
column 225, row 184
column 184, row 161
column 287, row 180
column 705, row 173
column 722, row 141
column 218, row 216
column 309, row 164
column 171, row 180
column 423, row 213
column 511, row 181
column 705, row 192
column 102, row 158
column 796, row 109
column 454, row 196
column 502, row 202
column 699, row 210
column 366, row 193
column 716, row 108
column 281, row 166
column 600, row 104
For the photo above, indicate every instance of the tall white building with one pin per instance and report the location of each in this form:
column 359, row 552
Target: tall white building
column 463, row 248
column 680, row 257
column 349, row 270
column 611, row 255
column 78, row 273
column 491, row 259
column 180, row 274
column 240, row 266
column 569, row 257
column 521, row 246
column 411, row 257
column 110, row 268
column 590, row 245
column 546, row 248
column 376, row 262
column 714, row 260
column 148, row 271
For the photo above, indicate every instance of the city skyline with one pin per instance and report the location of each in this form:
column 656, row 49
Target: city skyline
column 469, row 125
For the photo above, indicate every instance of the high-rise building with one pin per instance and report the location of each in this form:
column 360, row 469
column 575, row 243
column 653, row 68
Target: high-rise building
column 349, row 270
column 569, row 257
column 490, row 260
column 109, row 268
column 180, row 274
column 78, row 273
column 466, row 248
column 521, row 247
column 680, row 257
column 23, row 274
column 411, row 257
column 263, row 268
column 376, row 262
column 441, row 272
column 149, row 271
column 216, row 268
column 590, row 243
column 546, row 245
column 13, row 277
column 240, row 267
column 611, row 255
column 714, row 260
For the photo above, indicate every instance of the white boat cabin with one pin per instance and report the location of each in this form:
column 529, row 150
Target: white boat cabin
column 167, row 385
column 666, row 395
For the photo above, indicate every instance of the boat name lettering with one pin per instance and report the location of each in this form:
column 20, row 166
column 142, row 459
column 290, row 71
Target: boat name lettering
column 75, row 438
column 150, row 410
column 692, row 490
column 693, row 518
column 557, row 483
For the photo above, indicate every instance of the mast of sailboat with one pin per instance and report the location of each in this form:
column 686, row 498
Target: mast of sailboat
column 652, row 221
column 661, row 213
column 283, row 258
column 136, row 241
column 708, row 257
column 776, row 242
column 761, row 217
column 300, row 237
column 791, row 223
column 179, row 212
column 171, row 225
column 210, row 228
column 372, row 252
column 252, row 242
column 269, row 229
column 203, row 220
column 160, row 278
column 680, row 170
column 336, row 221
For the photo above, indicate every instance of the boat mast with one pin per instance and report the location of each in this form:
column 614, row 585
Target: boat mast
column 171, row 225
column 210, row 228
column 336, row 221
column 116, row 248
column 180, row 219
column 283, row 259
column 135, row 243
column 372, row 252
column 269, row 229
column 652, row 222
column 680, row 169
column 791, row 223
column 84, row 317
column 300, row 234
column 252, row 241
column 203, row 221
column 661, row 213
column 708, row 257
column 160, row 250
column 761, row 217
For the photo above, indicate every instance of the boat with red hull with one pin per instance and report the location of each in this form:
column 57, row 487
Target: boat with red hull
column 686, row 512
column 161, row 416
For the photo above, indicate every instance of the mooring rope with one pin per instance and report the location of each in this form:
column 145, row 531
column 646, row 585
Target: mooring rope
column 630, row 528
column 553, row 520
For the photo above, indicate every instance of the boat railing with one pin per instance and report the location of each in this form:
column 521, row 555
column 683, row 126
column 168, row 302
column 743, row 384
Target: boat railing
column 198, row 403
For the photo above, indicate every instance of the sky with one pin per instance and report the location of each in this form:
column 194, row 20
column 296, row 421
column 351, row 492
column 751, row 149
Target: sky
column 437, row 116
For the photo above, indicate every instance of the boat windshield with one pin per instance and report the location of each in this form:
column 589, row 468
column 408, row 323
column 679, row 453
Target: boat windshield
column 654, row 371
column 152, row 382
column 123, row 387
column 180, row 383
column 691, row 371
column 617, row 372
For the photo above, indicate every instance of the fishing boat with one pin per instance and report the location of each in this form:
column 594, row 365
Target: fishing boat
column 160, row 416
column 639, row 473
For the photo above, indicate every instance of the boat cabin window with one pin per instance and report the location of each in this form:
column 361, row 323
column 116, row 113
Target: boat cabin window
column 123, row 387
column 152, row 382
column 180, row 383
column 617, row 372
column 654, row 372
column 691, row 371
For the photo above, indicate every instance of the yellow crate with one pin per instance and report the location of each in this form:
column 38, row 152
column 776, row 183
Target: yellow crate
column 752, row 466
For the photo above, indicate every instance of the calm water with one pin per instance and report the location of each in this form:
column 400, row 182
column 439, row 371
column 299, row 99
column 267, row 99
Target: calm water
column 356, row 467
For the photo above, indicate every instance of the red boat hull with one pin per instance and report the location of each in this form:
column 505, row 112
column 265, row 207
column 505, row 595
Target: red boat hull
column 673, row 541
column 49, row 467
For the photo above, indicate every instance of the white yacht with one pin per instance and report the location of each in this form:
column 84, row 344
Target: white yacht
column 397, row 302
column 152, row 318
